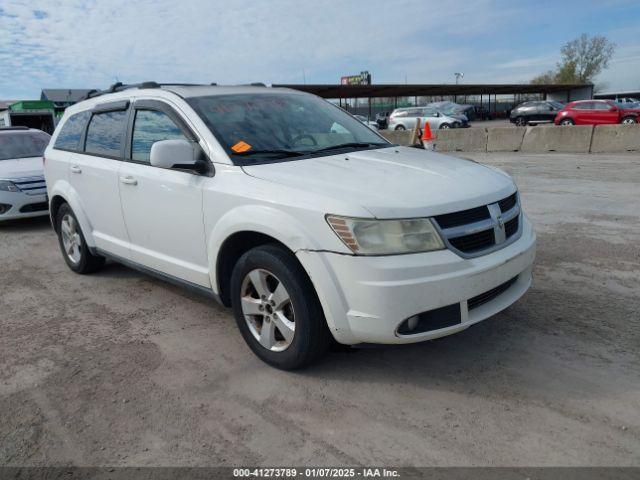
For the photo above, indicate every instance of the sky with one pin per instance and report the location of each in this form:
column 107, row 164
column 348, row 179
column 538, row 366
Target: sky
column 92, row 44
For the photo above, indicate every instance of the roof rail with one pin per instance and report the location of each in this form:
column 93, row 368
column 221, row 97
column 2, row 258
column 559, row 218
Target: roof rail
column 118, row 87
column 17, row 127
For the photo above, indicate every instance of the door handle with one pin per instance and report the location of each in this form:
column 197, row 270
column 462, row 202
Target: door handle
column 75, row 169
column 129, row 180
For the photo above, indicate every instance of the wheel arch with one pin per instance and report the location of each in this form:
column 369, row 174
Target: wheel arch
column 61, row 193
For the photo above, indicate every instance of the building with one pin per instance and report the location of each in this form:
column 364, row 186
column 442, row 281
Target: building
column 63, row 97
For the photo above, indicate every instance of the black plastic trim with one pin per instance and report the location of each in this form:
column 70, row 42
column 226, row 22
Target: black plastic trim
column 111, row 106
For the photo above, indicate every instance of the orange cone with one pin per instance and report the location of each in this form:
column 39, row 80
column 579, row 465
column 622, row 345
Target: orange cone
column 427, row 137
column 426, row 133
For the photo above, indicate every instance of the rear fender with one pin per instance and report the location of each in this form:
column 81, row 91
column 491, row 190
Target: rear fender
column 62, row 188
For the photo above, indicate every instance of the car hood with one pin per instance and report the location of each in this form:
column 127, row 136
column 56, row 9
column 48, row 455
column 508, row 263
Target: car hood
column 393, row 182
column 21, row 167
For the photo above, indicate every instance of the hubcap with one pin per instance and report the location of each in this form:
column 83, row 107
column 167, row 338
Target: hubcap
column 628, row 120
column 268, row 310
column 71, row 238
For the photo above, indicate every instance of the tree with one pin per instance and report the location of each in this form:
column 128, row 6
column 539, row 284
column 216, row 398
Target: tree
column 582, row 60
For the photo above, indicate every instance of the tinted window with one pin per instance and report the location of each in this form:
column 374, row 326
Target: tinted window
column 23, row 145
column 149, row 127
column 71, row 132
column 583, row 106
column 105, row 135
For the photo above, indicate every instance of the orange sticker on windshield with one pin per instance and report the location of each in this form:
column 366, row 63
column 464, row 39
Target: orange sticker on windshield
column 241, row 147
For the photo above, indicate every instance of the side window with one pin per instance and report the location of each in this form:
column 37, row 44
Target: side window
column 105, row 135
column 602, row 106
column 151, row 126
column 583, row 106
column 71, row 133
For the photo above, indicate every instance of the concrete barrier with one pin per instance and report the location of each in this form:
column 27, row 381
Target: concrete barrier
column 504, row 139
column 570, row 139
column 461, row 140
column 616, row 138
column 399, row 137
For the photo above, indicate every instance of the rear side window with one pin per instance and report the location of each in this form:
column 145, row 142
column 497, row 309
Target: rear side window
column 105, row 135
column 583, row 106
column 71, row 133
column 151, row 126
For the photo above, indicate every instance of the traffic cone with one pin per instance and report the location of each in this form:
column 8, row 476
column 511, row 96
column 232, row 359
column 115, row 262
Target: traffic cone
column 427, row 137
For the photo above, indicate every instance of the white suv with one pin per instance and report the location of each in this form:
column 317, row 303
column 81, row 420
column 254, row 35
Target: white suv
column 275, row 202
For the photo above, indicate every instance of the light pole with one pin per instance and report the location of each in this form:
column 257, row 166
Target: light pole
column 458, row 75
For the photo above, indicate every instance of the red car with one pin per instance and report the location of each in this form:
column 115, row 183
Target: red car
column 596, row 112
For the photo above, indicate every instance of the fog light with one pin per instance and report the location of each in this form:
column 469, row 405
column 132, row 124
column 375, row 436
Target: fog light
column 4, row 208
column 412, row 323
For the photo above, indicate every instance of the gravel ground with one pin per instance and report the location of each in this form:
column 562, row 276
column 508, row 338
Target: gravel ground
column 118, row 368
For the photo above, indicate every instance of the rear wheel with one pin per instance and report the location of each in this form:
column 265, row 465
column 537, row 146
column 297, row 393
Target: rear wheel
column 276, row 308
column 400, row 127
column 521, row 121
column 72, row 243
column 445, row 126
column 566, row 122
column 628, row 120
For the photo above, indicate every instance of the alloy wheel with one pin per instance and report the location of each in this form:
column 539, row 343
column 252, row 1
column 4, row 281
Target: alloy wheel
column 71, row 239
column 267, row 309
column 628, row 121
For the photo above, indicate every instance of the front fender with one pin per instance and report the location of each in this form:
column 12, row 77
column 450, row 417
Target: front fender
column 263, row 219
column 62, row 188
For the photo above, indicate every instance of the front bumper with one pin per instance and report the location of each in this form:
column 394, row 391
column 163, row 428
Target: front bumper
column 22, row 205
column 365, row 299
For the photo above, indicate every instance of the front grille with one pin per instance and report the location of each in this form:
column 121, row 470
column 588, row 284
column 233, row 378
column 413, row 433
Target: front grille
column 487, row 296
column 31, row 185
column 482, row 229
column 463, row 217
column 511, row 227
column 508, row 203
column 474, row 242
column 34, row 207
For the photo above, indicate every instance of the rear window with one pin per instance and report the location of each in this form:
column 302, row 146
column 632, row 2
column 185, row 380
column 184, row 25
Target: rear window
column 105, row 135
column 22, row 145
column 71, row 133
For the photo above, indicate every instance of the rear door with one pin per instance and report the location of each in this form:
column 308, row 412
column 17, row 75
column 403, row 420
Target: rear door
column 605, row 113
column 162, row 207
column 94, row 175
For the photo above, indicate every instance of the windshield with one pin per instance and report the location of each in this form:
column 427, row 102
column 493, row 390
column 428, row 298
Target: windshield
column 22, row 145
column 264, row 127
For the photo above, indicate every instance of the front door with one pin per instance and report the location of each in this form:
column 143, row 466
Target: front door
column 162, row 207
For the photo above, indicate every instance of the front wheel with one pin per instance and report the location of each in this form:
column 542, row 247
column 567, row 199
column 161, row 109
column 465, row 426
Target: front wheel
column 445, row 126
column 521, row 121
column 400, row 127
column 566, row 122
column 73, row 245
column 276, row 308
column 628, row 120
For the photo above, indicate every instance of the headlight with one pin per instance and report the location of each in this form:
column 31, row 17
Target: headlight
column 8, row 186
column 384, row 237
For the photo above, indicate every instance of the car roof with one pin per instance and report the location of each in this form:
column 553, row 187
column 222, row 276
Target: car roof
column 19, row 129
column 172, row 90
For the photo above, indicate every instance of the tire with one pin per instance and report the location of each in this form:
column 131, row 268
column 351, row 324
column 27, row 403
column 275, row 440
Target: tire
column 285, row 326
column 73, row 245
column 629, row 120
column 566, row 122
column 400, row 127
column 521, row 122
column 444, row 126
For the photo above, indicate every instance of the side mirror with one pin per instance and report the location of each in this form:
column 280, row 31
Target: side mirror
column 177, row 154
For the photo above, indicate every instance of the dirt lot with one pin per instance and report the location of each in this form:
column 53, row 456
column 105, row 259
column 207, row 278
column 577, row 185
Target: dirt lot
column 118, row 368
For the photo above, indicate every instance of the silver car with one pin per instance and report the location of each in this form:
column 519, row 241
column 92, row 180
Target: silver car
column 405, row 118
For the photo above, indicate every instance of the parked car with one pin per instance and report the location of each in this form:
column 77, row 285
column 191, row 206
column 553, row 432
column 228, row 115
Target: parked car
column 246, row 195
column 369, row 123
column 382, row 119
column 23, row 192
column 534, row 112
column 595, row 112
column 405, row 119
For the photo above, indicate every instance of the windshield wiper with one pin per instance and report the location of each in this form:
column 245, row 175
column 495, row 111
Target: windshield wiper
column 275, row 151
column 349, row 145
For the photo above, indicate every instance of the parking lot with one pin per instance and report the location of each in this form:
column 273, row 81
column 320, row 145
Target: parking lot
column 118, row 368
